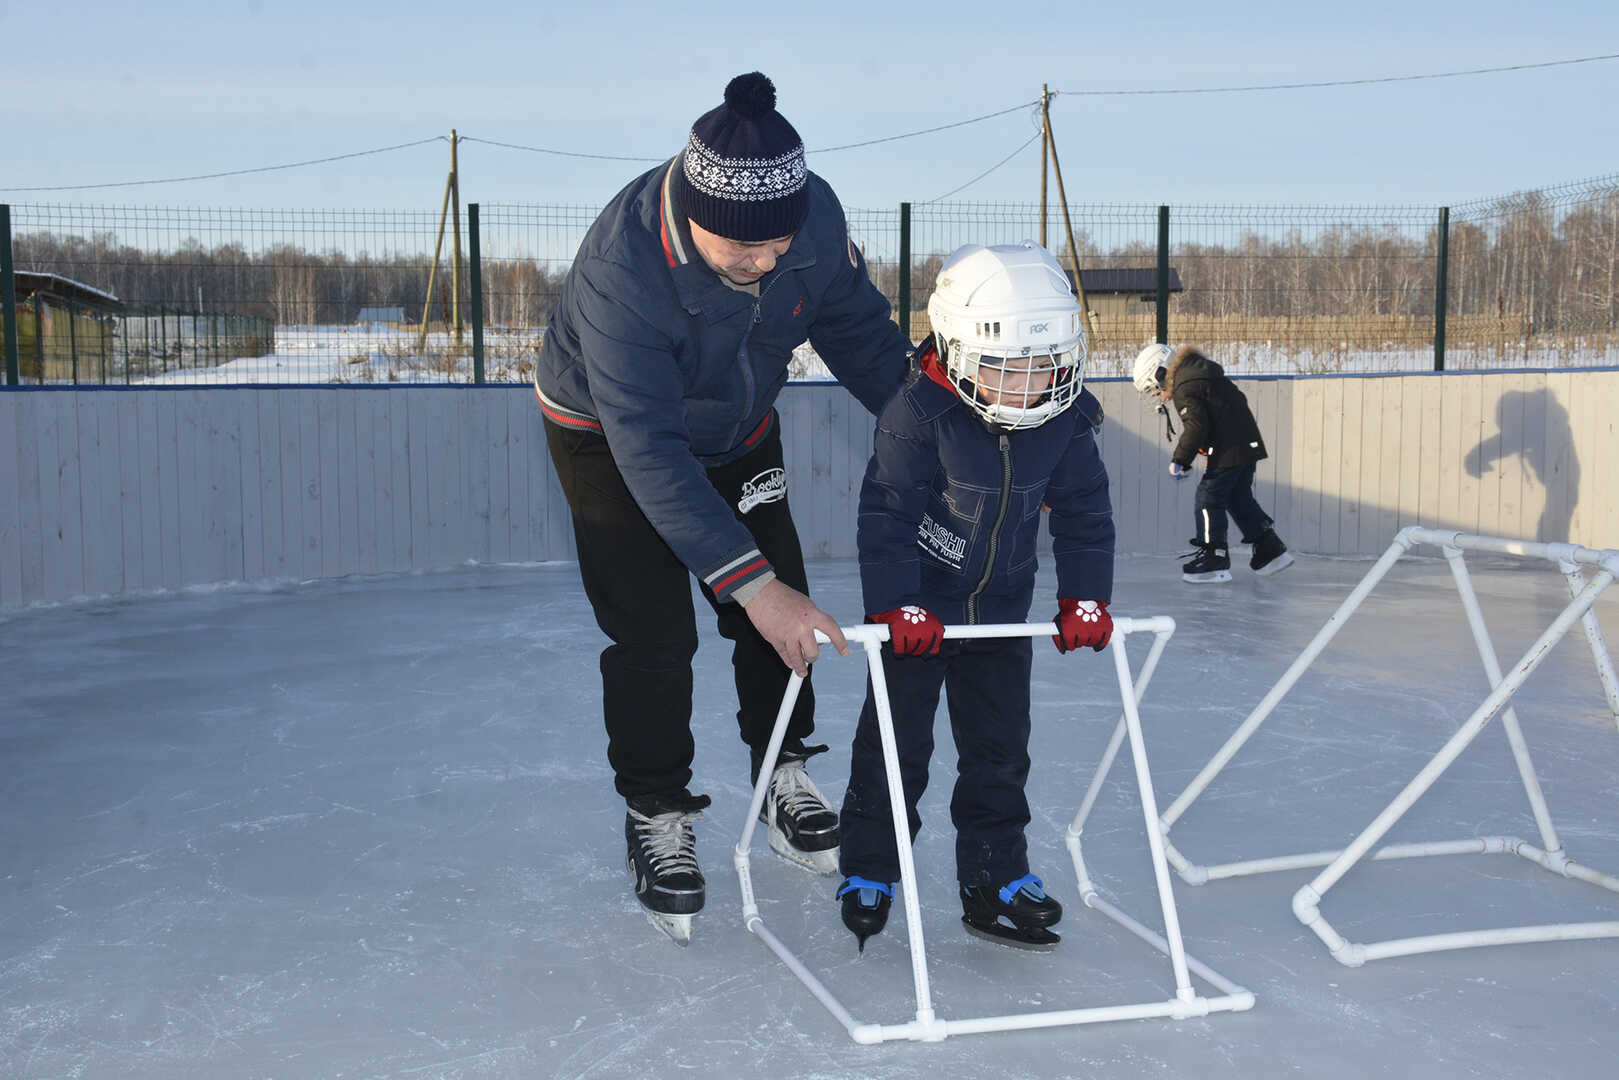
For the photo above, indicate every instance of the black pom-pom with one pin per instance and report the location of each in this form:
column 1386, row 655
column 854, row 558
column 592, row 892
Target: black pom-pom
column 751, row 96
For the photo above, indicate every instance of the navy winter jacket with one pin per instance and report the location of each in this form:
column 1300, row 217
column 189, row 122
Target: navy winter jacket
column 950, row 508
column 681, row 372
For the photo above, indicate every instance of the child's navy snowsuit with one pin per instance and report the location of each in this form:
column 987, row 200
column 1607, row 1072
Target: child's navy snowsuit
column 949, row 517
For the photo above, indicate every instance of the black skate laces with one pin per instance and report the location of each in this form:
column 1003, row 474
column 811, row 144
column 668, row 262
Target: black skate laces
column 670, row 844
column 793, row 790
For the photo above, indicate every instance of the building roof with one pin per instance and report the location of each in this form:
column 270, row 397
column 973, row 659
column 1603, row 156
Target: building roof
column 1098, row 282
column 29, row 283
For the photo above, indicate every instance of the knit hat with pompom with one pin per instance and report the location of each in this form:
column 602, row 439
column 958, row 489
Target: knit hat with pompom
column 742, row 174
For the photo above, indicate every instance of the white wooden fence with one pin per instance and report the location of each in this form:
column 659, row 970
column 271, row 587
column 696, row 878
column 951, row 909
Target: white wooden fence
column 126, row 490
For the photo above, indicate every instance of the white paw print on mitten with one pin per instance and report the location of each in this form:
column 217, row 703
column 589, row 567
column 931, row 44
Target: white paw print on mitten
column 1087, row 611
column 914, row 614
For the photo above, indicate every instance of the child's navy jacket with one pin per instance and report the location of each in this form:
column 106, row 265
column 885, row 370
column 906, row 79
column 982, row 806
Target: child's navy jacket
column 950, row 507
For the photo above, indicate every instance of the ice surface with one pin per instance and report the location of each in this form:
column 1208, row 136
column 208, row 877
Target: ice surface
column 365, row 828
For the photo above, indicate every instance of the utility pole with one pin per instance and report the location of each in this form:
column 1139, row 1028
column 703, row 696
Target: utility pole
column 1092, row 323
column 1045, row 137
column 455, row 265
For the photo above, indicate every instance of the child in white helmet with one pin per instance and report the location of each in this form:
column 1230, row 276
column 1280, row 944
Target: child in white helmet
column 1216, row 422
column 992, row 423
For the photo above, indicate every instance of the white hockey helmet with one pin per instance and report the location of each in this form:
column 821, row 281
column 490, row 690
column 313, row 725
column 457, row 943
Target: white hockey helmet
column 1149, row 362
column 1009, row 332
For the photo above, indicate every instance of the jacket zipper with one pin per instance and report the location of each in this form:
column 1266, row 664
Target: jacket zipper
column 1005, row 447
column 742, row 351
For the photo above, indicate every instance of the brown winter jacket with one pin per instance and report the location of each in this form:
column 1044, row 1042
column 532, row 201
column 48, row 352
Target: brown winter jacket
column 1215, row 418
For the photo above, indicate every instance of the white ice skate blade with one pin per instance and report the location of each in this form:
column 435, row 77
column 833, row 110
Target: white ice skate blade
column 1276, row 565
column 818, row 862
column 1212, row 577
column 678, row 927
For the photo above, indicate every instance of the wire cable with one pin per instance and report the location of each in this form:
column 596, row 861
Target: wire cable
column 1335, row 82
column 986, row 172
column 561, row 153
column 924, row 131
column 234, row 172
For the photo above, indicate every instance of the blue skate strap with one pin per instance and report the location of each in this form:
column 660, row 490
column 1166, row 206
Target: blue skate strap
column 1036, row 887
column 865, row 884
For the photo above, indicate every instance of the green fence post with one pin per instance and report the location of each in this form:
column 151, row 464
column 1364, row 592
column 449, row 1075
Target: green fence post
column 475, row 261
column 905, row 269
column 1163, row 275
column 8, row 296
column 1441, row 290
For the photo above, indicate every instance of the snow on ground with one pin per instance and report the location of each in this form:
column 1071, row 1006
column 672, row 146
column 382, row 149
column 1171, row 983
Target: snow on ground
column 365, row 828
column 376, row 353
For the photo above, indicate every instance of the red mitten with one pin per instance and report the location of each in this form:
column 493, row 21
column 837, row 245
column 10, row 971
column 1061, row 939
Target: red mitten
column 1080, row 623
column 912, row 630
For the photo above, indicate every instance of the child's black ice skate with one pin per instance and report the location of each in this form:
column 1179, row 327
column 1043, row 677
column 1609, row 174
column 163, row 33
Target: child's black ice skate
column 865, row 906
column 1209, row 565
column 1270, row 555
column 662, row 859
column 1017, row 915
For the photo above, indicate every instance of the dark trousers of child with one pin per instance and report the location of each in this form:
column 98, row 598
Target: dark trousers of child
column 1228, row 491
column 641, row 595
column 986, row 682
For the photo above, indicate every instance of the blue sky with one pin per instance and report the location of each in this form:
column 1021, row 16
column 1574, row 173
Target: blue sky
column 98, row 93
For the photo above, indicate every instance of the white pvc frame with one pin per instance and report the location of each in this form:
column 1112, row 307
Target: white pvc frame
column 1570, row 560
column 927, row 1027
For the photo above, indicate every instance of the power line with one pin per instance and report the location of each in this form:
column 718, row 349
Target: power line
column 986, row 172
column 1336, row 82
column 235, row 172
column 926, row 131
column 844, row 146
column 561, row 153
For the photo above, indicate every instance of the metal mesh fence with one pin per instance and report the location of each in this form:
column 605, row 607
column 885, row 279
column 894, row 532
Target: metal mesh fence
column 264, row 296
column 258, row 296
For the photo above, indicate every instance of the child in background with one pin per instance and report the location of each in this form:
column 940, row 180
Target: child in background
column 1216, row 421
column 991, row 424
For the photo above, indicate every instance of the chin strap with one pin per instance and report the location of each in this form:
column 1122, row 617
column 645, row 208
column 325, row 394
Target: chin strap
column 1169, row 424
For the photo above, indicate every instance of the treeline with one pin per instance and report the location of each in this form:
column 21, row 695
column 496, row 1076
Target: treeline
column 285, row 283
column 1533, row 264
column 1537, row 264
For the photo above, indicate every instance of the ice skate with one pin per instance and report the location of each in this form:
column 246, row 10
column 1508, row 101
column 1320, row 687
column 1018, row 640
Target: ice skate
column 662, row 859
column 1270, row 555
column 1017, row 915
column 1210, row 565
column 865, row 906
column 803, row 828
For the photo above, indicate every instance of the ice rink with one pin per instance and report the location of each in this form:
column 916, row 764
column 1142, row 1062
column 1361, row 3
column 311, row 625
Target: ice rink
column 365, row 828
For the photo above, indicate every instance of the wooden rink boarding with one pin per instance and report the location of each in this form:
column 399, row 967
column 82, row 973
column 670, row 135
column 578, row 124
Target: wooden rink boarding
column 114, row 491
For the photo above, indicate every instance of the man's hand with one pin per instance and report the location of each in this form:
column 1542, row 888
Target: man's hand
column 1081, row 623
column 1178, row 471
column 788, row 620
column 912, row 630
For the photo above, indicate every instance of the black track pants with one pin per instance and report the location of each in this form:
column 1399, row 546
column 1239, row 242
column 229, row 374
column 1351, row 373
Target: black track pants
column 641, row 595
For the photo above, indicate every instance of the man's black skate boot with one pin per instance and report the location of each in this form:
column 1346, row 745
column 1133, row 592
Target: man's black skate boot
column 865, row 906
column 1270, row 554
column 662, row 859
column 1017, row 914
column 803, row 827
column 1209, row 565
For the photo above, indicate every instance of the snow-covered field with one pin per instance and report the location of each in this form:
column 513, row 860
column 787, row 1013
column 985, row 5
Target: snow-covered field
column 377, row 353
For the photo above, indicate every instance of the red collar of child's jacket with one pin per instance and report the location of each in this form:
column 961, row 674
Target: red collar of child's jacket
column 928, row 360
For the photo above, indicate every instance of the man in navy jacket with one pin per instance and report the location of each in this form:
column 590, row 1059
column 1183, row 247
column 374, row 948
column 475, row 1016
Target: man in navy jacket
column 658, row 378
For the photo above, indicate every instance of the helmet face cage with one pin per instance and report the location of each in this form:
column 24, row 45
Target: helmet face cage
column 1022, row 390
column 1009, row 333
